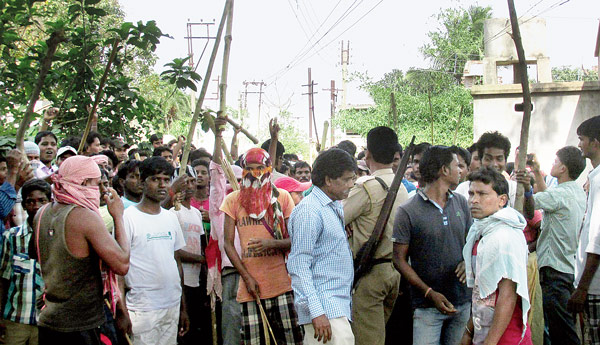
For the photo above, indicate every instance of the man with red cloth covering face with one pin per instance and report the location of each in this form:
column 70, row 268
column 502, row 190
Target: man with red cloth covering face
column 259, row 211
column 68, row 250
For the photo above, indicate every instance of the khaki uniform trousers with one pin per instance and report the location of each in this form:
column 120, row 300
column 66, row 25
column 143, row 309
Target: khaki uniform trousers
column 373, row 302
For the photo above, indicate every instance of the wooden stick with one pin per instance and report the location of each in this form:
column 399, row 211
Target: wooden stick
column 526, row 101
column 458, row 124
column 198, row 109
column 324, row 136
column 265, row 322
column 92, row 114
column 431, row 112
column 394, row 111
column 52, row 43
column 243, row 130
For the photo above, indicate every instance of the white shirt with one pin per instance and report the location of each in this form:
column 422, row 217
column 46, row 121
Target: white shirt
column 153, row 275
column 190, row 220
column 589, row 238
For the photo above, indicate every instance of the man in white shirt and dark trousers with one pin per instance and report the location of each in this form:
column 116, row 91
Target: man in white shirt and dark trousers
column 155, row 301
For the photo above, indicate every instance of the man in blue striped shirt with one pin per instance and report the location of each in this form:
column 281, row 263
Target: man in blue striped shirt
column 320, row 261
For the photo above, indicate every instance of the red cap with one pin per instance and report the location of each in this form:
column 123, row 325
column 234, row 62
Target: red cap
column 291, row 185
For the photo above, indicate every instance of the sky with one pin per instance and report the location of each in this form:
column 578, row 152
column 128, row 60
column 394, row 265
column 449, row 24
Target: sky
column 276, row 41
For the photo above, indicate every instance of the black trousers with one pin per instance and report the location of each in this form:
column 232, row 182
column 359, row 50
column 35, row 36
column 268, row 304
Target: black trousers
column 557, row 288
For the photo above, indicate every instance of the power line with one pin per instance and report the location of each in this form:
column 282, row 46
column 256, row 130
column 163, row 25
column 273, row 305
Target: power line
column 302, row 53
column 282, row 72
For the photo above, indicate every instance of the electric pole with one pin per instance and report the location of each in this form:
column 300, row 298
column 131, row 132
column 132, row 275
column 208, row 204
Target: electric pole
column 260, row 92
column 311, row 111
column 190, row 40
column 334, row 92
column 345, row 61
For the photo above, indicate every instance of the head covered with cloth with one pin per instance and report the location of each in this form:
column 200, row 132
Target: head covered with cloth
column 258, row 196
column 73, row 183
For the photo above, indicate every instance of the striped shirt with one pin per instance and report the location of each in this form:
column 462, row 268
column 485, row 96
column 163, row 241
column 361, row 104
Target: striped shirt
column 320, row 262
column 8, row 197
column 23, row 275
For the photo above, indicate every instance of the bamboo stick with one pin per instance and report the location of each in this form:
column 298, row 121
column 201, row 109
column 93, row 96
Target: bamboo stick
column 92, row 113
column 243, row 130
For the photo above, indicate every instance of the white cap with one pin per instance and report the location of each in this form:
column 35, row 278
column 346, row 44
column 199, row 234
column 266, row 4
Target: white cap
column 31, row 148
column 64, row 149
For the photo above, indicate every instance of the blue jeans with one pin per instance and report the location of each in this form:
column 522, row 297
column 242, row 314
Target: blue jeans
column 430, row 327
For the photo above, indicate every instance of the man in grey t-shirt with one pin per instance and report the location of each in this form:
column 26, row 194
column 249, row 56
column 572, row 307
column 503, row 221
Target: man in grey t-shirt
column 431, row 228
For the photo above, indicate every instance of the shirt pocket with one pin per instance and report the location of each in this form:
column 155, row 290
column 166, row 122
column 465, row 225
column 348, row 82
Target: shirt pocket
column 22, row 264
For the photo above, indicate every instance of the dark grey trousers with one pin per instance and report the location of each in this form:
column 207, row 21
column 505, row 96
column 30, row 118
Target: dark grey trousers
column 557, row 288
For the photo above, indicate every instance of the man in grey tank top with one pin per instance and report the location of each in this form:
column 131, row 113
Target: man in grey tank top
column 71, row 239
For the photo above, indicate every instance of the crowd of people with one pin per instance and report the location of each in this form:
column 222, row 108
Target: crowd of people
column 114, row 244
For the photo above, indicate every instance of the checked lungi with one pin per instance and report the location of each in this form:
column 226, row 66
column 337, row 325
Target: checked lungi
column 282, row 319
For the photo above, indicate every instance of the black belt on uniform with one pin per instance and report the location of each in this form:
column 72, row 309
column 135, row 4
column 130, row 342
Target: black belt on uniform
column 381, row 261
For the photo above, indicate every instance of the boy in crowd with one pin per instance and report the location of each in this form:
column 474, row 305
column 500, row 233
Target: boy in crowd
column 155, row 302
column 21, row 280
column 129, row 179
column 564, row 209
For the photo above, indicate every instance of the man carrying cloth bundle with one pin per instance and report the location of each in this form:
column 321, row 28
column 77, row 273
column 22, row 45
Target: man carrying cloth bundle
column 260, row 211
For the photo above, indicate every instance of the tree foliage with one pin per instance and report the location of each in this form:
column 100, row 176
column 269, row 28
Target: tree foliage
column 412, row 103
column 458, row 39
column 134, row 99
column 569, row 73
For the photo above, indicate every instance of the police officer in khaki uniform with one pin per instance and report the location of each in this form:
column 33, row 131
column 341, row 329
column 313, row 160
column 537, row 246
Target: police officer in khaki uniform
column 376, row 292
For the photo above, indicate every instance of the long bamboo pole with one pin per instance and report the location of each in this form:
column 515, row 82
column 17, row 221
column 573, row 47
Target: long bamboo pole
column 92, row 113
column 205, row 81
column 52, row 43
column 526, row 101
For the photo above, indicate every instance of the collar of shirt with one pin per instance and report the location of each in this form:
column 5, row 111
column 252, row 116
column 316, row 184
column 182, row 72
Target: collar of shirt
column 450, row 195
column 326, row 200
column 594, row 172
column 381, row 172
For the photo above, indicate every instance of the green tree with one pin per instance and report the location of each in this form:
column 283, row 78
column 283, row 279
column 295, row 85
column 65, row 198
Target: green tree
column 459, row 38
column 291, row 137
column 92, row 27
column 569, row 73
column 412, row 102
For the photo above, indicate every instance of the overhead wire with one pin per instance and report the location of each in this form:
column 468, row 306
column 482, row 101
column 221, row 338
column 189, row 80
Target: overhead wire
column 301, row 57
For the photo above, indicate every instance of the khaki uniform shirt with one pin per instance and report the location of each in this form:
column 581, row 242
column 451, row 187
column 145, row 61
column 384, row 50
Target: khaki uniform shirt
column 362, row 208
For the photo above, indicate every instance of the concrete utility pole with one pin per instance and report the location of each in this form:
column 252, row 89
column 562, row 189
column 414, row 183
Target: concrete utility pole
column 345, row 61
column 334, row 92
column 311, row 111
column 260, row 92
column 190, row 40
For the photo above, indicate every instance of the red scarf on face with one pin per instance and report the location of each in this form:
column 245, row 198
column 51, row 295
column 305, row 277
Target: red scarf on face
column 258, row 196
column 255, row 191
column 68, row 188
